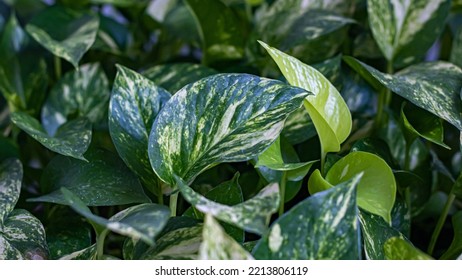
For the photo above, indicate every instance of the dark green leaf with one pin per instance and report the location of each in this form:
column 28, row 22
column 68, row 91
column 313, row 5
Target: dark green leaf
column 10, row 186
column 71, row 139
column 120, row 3
column 323, row 226
column 401, row 217
column 84, row 254
column 8, row 149
column 455, row 249
column 375, row 146
column 135, row 103
column 104, row 180
column 298, row 127
column 222, row 118
column 397, row 248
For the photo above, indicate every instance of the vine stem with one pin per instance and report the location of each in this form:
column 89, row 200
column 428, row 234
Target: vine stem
column 282, row 192
column 173, row 203
column 57, row 67
column 441, row 220
column 100, row 244
column 384, row 99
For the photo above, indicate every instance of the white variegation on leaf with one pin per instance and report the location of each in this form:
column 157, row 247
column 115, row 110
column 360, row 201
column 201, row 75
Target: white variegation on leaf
column 397, row 248
column 221, row 118
column 10, row 186
column 89, row 253
column 250, row 215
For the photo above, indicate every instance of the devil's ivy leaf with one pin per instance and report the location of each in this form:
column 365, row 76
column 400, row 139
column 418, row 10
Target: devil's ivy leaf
column 432, row 86
column 326, row 107
column 143, row 221
column 71, row 139
column 64, row 32
column 103, row 180
column 217, row 245
column 119, row 3
column 135, row 103
column 397, row 248
column 221, row 118
column 88, row 253
column 174, row 76
column 251, row 215
column 337, row 6
column 80, row 93
column 323, row 226
column 298, row 127
column 10, row 186
column 455, row 249
column 405, row 30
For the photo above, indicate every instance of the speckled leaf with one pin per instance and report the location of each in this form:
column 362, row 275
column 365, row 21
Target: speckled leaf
column 298, row 127
column 221, row 118
column 119, row 3
column 326, row 107
column 179, row 244
column 102, row 181
column 80, row 93
column 251, row 215
column 135, row 103
column 217, row 245
column 174, row 76
column 455, row 249
column 143, row 221
column 84, row 254
column 219, row 29
column 71, row 139
column 399, row 249
column 10, row 186
column 377, row 189
column 338, row 6
column 64, row 32
column 323, row 226
column 376, row 232
column 405, row 30
column 432, row 86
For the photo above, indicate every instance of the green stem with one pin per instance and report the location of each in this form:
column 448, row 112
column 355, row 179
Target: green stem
column 440, row 223
column 100, row 244
column 383, row 100
column 160, row 195
column 173, row 203
column 57, row 68
column 282, row 192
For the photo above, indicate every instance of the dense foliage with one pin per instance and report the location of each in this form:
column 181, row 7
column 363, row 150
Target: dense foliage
column 230, row 129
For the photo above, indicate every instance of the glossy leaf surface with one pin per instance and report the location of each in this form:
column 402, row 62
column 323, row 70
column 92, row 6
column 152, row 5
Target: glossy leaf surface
column 399, row 249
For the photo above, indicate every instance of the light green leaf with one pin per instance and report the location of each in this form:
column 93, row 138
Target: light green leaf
column 143, row 221
column 405, row 30
column 84, row 254
column 71, row 139
column 432, row 86
column 10, row 187
column 221, row 118
column 455, row 249
column 220, row 30
column 251, row 215
column 377, row 189
column 323, row 226
column 217, row 245
column 179, row 244
column 80, row 93
column 174, row 76
column 326, row 107
column 399, row 249
column 135, row 103
column 102, row 181
column 316, row 183
column 65, row 33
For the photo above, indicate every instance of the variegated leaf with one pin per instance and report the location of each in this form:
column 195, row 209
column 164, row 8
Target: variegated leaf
column 143, row 221
column 251, row 215
column 102, row 181
column 84, row 254
column 65, row 33
column 221, row 118
column 326, row 107
column 432, row 86
column 7, row 251
column 83, row 93
column 135, row 103
column 119, row 3
column 174, row 76
column 26, row 234
column 10, row 187
column 404, row 30
column 179, row 244
column 397, row 248
column 71, row 139
column 337, row 6
column 217, row 245
column 323, row 226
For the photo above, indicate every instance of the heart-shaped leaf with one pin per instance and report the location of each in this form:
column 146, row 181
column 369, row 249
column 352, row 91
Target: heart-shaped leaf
column 71, row 139
column 221, row 118
column 217, row 245
column 251, row 215
column 405, row 30
column 455, row 249
column 65, row 33
column 10, row 186
column 323, row 226
column 103, row 180
column 135, row 103
column 326, row 107
column 82, row 93
column 432, row 86
column 397, row 248
column 143, row 221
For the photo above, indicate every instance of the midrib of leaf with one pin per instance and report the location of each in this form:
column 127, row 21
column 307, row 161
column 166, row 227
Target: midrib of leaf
column 399, row 25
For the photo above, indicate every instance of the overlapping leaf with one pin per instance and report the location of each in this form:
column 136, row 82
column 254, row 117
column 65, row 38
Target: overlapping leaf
column 397, row 248
column 88, row 253
column 135, row 103
column 251, row 215
column 323, row 226
column 10, row 186
column 455, row 249
column 221, row 118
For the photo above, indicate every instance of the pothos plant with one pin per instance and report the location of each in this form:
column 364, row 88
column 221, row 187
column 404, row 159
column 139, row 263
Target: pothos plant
column 230, row 129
